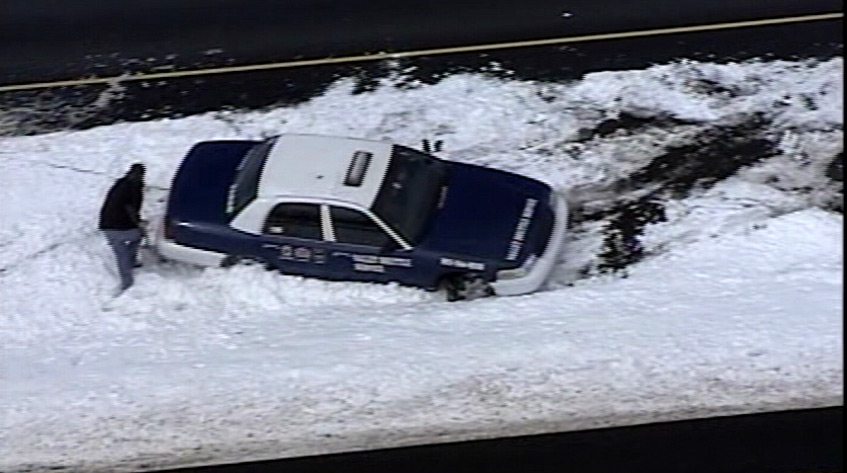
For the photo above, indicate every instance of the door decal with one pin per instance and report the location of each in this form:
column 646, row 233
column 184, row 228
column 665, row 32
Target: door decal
column 374, row 263
column 300, row 254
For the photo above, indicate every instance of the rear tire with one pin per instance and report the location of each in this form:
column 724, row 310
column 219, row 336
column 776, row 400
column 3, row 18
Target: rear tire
column 466, row 287
column 232, row 260
column 229, row 261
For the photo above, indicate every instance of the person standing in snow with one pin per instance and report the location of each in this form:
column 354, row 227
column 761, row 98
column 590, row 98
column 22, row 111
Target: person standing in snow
column 120, row 221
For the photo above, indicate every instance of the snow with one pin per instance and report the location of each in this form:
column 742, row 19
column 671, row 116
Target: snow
column 735, row 308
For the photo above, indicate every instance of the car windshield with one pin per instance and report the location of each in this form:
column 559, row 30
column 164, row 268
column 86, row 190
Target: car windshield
column 245, row 187
column 411, row 191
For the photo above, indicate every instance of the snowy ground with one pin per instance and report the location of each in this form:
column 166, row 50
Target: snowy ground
column 734, row 305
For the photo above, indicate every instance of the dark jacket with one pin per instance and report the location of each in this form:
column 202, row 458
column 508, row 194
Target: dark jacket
column 121, row 209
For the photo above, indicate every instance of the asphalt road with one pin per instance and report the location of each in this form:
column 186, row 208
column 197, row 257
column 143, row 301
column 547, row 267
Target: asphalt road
column 43, row 40
column 55, row 56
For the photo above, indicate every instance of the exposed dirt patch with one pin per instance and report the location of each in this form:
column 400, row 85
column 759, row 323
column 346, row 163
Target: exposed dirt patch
column 639, row 199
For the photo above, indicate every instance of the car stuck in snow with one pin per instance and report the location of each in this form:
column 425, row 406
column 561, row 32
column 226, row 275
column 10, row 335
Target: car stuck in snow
column 360, row 210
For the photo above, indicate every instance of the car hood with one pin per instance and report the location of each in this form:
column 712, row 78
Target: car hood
column 492, row 215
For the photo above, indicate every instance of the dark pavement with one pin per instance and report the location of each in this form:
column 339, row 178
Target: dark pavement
column 804, row 441
column 46, row 40
column 84, row 106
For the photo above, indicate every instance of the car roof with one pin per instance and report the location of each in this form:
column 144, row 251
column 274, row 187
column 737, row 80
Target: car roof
column 318, row 166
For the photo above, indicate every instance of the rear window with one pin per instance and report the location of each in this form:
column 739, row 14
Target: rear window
column 245, row 188
column 411, row 191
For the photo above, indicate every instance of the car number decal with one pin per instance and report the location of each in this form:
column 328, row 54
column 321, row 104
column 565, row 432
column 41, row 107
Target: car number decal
column 457, row 263
column 521, row 229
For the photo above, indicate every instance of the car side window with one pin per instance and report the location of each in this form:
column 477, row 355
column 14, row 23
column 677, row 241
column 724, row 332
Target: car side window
column 354, row 227
column 294, row 220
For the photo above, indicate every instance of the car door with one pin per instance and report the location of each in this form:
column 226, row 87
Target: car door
column 292, row 239
column 359, row 249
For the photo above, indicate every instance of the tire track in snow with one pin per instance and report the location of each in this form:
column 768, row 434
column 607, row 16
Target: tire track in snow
column 80, row 170
column 5, row 270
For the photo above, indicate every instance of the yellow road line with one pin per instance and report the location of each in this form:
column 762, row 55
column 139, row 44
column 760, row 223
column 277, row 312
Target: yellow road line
column 422, row 52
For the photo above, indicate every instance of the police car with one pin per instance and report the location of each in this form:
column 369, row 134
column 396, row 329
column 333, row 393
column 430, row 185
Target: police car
column 359, row 210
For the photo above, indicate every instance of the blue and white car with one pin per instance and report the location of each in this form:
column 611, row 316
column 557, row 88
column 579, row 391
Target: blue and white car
column 359, row 210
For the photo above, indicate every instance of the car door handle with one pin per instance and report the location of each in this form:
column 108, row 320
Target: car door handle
column 271, row 245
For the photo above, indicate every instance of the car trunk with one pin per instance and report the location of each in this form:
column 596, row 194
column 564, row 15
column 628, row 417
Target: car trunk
column 200, row 188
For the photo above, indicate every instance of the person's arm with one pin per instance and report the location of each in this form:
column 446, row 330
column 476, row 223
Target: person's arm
column 133, row 214
column 133, row 206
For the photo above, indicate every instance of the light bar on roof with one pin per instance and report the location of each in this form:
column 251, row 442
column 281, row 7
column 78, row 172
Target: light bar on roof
column 358, row 167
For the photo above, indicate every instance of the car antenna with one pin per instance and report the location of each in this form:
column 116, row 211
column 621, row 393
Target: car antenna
column 428, row 147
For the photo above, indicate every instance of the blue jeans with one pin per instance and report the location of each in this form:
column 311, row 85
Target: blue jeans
column 124, row 244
